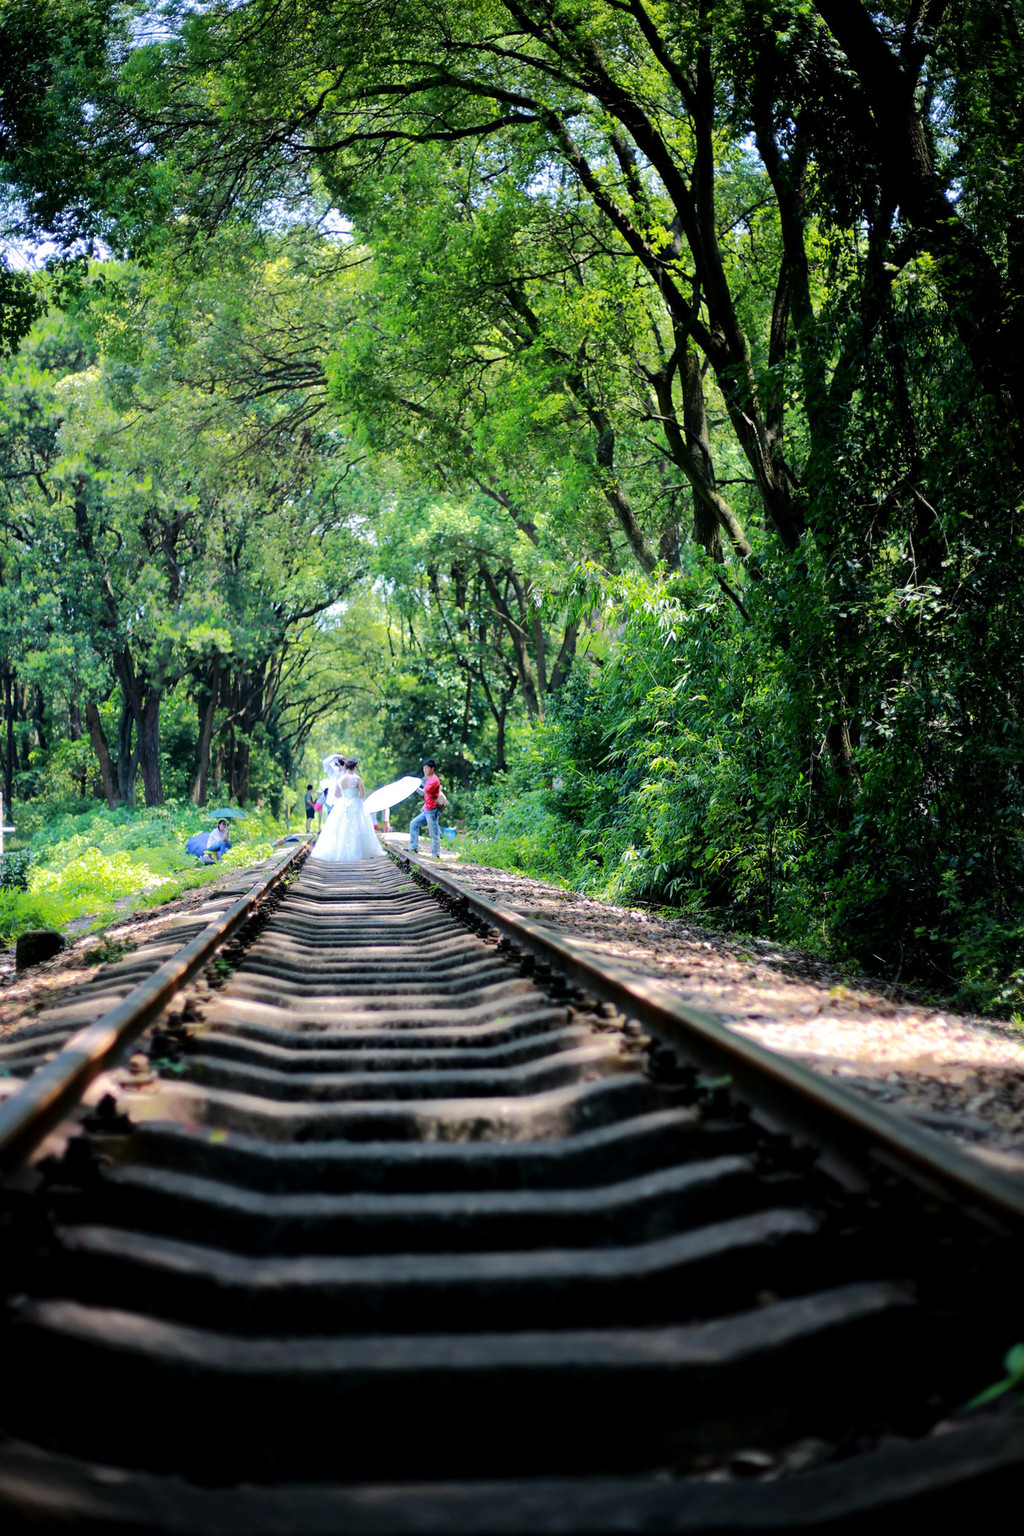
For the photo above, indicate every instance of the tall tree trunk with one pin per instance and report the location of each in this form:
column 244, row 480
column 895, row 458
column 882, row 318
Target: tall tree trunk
column 669, row 546
column 564, row 659
column 604, row 457
column 127, row 758
column 98, row 737
column 148, row 731
column 517, row 635
column 74, row 721
column 206, row 719
column 38, row 716
column 689, row 446
column 706, row 529
column 500, row 713
column 144, row 703
column 229, row 763
column 500, row 762
column 243, row 756
column 463, row 765
column 10, row 760
column 21, row 704
column 540, row 654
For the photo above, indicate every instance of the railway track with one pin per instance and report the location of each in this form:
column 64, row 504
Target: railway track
column 403, row 1215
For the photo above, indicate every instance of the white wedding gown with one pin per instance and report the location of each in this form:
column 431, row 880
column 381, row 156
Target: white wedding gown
column 348, row 831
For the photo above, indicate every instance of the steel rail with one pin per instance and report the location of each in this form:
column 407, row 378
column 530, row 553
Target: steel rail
column 29, row 1115
column 783, row 1093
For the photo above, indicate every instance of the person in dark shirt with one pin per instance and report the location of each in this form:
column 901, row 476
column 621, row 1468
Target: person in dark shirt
column 310, row 807
column 428, row 817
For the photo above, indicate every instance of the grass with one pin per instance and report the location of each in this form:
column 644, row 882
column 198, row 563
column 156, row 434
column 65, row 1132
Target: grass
column 109, row 951
column 101, row 864
column 527, row 840
column 529, row 855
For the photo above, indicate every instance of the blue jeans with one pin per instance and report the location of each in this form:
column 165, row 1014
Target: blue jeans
column 428, row 819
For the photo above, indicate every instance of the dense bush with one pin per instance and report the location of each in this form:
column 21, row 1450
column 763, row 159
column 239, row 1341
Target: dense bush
column 693, row 769
column 711, row 311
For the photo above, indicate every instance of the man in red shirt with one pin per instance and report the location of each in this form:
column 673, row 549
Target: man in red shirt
column 428, row 816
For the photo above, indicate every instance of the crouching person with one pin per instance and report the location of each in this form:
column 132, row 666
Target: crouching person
column 208, row 847
column 217, row 843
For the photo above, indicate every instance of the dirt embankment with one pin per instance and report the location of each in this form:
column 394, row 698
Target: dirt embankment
column 28, row 993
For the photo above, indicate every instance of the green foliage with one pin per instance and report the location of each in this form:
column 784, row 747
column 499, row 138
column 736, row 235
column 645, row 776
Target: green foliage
column 476, row 350
column 177, row 545
column 20, row 306
column 689, row 770
column 99, row 864
column 109, row 951
column 14, row 868
column 1013, row 1365
column 512, row 825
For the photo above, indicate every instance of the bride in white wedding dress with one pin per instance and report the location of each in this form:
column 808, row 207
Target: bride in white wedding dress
column 348, row 831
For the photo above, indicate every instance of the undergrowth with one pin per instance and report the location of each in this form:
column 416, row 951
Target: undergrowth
column 544, row 850
column 660, row 779
column 102, row 864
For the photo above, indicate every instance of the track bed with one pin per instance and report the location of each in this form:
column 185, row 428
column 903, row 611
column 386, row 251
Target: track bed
column 407, row 1233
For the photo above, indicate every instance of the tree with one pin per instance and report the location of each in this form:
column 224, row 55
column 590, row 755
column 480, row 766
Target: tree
column 61, row 170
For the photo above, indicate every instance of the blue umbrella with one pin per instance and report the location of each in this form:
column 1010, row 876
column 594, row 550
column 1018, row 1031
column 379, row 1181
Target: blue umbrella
column 228, row 813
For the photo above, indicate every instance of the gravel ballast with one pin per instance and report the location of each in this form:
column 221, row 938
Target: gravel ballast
column 959, row 1075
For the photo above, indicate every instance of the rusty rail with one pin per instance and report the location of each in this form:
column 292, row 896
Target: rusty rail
column 28, row 1116
column 780, row 1092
